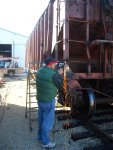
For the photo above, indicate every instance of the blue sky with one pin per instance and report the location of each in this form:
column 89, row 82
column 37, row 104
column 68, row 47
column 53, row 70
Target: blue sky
column 21, row 16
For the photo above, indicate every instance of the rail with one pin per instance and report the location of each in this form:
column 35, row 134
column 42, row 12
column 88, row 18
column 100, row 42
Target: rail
column 98, row 132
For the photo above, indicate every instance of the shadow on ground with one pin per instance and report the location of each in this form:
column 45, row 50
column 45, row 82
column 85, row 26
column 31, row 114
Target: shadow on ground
column 14, row 130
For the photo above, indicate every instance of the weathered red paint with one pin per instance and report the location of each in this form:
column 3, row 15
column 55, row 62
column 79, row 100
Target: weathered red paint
column 83, row 37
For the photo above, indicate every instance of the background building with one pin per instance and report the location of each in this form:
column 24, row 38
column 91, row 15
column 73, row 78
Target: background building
column 13, row 45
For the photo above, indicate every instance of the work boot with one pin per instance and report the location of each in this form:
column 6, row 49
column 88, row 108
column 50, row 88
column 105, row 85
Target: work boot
column 50, row 145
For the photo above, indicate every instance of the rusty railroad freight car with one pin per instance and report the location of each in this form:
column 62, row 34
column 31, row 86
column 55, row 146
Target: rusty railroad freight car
column 82, row 32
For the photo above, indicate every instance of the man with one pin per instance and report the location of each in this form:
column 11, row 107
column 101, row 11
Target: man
column 47, row 83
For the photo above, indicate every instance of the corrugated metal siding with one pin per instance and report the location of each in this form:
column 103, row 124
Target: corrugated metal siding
column 40, row 41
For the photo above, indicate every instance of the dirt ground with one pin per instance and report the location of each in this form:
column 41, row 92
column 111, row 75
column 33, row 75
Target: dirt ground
column 14, row 128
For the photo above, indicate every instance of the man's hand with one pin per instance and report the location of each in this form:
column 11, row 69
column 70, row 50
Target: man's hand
column 60, row 71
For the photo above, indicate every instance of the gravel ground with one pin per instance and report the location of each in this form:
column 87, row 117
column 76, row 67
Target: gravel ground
column 14, row 129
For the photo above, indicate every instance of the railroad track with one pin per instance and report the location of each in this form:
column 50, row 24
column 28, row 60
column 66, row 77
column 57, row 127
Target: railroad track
column 95, row 127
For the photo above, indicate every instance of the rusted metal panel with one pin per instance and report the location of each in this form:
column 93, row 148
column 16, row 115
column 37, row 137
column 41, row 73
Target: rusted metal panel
column 50, row 28
column 77, row 9
column 31, row 51
column 41, row 37
column 38, row 41
column 95, row 10
column 37, row 66
column 78, row 24
column 27, row 52
column 42, row 42
column 35, row 47
column 41, row 48
column 45, row 31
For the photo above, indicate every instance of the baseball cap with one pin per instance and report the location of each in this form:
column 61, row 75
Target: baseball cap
column 50, row 61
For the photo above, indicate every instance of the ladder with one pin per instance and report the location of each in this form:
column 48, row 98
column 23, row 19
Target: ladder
column 31, row 102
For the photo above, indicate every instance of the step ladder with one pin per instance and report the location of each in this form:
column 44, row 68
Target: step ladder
column 31, row 102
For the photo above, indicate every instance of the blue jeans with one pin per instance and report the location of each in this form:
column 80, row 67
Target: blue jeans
column 46, row 113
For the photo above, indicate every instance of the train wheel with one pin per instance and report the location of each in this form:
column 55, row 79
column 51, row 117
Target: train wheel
column 83, row 106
